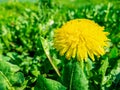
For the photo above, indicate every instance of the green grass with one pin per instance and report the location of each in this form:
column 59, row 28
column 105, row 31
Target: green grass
column 26, row 46
column 79, row 3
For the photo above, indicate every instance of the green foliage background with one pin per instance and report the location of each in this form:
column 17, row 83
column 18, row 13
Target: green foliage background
column 28, row 60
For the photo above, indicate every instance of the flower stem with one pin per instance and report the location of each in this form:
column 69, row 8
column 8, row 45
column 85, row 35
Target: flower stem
column 46, row 50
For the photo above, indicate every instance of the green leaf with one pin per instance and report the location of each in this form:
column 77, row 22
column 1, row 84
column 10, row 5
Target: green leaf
column 2, row 57
column 73, row 77
column 67, row 74
column 8, row 68
column 88, row 67
column 4, row 83
column 113, row 78
column 48, row 84
column 104, row 66
column 114, row 52
column 11, row 74
column 17, row 79
column 102, row 71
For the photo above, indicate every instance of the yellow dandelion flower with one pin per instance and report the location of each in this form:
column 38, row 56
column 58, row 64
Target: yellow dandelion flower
column 80, row 38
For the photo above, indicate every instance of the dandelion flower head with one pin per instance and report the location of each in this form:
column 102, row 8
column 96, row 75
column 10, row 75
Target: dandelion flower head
column 80, row 38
